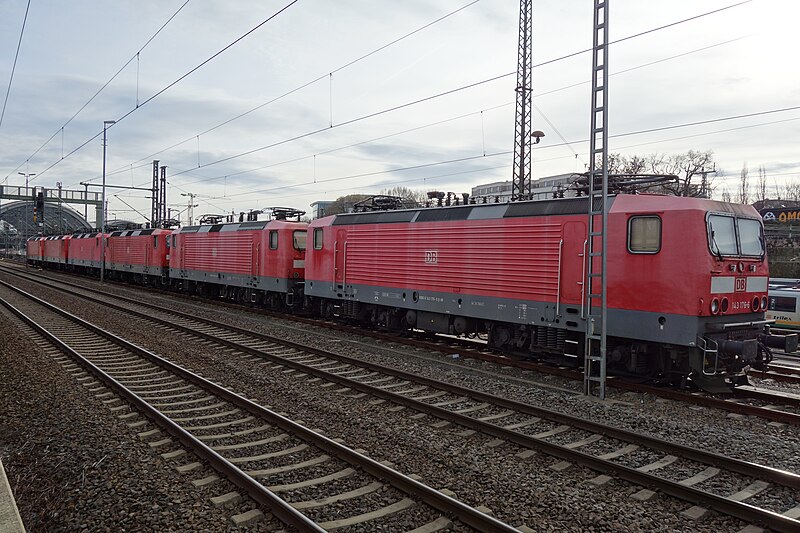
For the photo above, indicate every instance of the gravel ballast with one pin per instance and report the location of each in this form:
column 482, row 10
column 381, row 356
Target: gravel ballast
column 518, row 491
column 74, row 466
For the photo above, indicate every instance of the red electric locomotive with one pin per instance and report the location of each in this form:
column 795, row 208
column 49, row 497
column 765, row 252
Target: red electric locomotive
column 687, row 279
column 34, row 250
column 55, row 250
column 255, row 261
column 85, row 252
column 139, row 255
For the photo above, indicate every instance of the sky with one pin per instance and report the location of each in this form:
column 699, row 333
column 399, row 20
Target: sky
column 360, row 96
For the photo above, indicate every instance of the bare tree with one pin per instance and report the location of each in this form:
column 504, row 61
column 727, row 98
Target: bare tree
column 792, row 190
column 344, row 204
column 409, row 196
column 761, row 184
column 689, row 169
column 726, row 196
column 743, row 189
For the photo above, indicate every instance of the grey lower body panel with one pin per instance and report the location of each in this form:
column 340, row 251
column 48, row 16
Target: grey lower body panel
column 262, row 283
column 84, row 263
column 674, row 329
column 137, row 269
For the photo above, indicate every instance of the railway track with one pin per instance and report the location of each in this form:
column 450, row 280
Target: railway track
column 735, row 403
column 269, row 456
column 674, row 469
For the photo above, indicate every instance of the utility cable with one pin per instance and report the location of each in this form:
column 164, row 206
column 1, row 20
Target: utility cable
column 495, row 154
column 135, row 56
column 463, row 88
column 179, row 79
column 311, row 82
column 446, row 93
column 14, row 67
column 293, row 160
column 412, row 103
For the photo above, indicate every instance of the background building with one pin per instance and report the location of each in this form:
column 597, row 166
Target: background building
column 541, row 189
column 318, row 208
column 17, row 225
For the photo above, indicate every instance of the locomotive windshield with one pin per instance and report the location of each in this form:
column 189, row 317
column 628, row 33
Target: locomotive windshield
column 750, row 237
column 729, row 235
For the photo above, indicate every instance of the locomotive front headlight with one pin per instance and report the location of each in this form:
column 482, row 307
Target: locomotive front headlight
column 756, row 302
column 724, row 305
column 741, row 267
column 763, row 303
column 714, row 306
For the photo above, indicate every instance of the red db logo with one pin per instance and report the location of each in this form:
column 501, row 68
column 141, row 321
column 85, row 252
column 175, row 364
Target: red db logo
column 741, row 285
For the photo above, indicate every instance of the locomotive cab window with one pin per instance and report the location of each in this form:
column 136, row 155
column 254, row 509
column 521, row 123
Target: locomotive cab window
column 273, row 240
column 299, row 238
column 155, row 241
column 644, row 234
column 318, row 238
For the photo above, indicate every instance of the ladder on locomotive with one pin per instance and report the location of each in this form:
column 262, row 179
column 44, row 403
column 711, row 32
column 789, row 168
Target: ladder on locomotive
column 594, row 369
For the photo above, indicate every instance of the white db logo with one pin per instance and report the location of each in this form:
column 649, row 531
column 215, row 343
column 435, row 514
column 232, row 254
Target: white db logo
column 431, row 256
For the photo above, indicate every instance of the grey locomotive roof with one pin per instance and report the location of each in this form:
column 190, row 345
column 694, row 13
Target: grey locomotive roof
column 559, row 206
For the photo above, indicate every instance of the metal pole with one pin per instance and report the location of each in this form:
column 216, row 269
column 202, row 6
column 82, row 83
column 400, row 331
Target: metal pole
column 103, row 206
column 27, row 175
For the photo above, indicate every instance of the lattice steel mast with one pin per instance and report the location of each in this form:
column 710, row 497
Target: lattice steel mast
column 521, row 184
column 594, row 369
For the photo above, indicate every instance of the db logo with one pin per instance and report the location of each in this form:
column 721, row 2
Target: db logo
column 431, row 256
column 741, row 285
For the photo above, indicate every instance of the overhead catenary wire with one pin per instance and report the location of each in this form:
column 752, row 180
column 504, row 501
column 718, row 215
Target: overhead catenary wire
column 14, row 67
column 329, row 127
column 564, row 143
column 576, row 141
column 449, row 92
column 313, row 81
column 300, row 158
column 175, row 82
column 106, row 84
column 492, row 108
column 507, row 152
column 230, row 198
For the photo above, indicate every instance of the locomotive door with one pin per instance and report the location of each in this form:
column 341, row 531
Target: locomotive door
column 340, row 259
column 255, row 263
column 150, row 253
column 572, row 266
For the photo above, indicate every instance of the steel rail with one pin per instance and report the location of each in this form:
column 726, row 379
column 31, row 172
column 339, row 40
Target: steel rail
column 281, row 509
column 697, row 399
column 433, row 497
column 735, row 465
column 738, row 509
